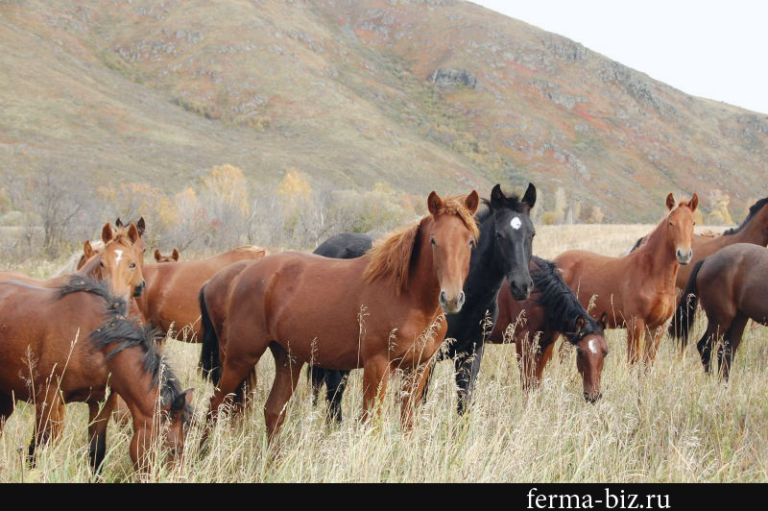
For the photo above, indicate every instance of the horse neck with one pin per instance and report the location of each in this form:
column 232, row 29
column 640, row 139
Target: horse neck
column 660, row 252
column 751, row 233
column 423, row 284
column 142, row 391
column 485, row 273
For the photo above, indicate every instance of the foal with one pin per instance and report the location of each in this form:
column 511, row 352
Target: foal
column 382, row 311
column 637, row 291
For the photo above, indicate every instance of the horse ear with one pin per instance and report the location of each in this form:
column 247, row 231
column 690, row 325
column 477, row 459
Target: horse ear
column 87, row 250
column 434, row 203
column 182, row 400
column 694, row 202
column 141, row 225
column 497, row 197
column 107, row 233
column 158, row 255
column 118, row 223
column 603, row 321
column 670, row 201
column 472, row 202
column 133, row 233
column 580, row 322
column 175, row 255
column 530, row 196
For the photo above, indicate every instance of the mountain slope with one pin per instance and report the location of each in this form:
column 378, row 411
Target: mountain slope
column 420, row 94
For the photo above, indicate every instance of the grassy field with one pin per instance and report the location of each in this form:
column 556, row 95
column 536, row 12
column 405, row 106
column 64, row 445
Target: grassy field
column 670, row 422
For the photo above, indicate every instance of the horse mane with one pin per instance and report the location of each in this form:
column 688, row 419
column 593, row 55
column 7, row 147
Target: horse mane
column 560, row 304
column 391, row 258
column 127, row 333
column 753, row 210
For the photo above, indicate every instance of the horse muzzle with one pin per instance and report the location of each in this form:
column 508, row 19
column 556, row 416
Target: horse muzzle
column 684, row 256
column 521, row 292
column 593, row 397
column 452, row 305
column 139, row 289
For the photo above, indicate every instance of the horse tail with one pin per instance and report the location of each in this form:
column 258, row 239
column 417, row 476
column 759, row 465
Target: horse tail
column 683, row 319
column 209, row 355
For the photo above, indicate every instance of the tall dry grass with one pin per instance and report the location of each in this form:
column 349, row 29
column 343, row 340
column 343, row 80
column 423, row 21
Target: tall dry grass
column 670, row 422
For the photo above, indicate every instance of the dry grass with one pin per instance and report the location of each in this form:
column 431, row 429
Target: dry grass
column 669, row 423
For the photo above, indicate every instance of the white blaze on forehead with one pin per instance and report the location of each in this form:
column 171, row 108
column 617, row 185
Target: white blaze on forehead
column 516, row 223
column 119, row 255
column 592, row 346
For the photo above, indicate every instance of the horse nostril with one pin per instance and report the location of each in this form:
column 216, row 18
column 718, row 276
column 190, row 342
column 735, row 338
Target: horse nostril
column 443, row 298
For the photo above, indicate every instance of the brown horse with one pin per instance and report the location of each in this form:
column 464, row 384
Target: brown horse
column 534, row 325
column 381, row 311
column 637, row 291
column 754, row 229
column 48, row 358
column 160, row 258
column 170, row 299
column 731, row 287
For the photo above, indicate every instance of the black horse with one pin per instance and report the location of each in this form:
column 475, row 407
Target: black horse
column 504, row 250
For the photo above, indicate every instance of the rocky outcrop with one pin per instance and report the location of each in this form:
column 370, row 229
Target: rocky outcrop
column 451, row 77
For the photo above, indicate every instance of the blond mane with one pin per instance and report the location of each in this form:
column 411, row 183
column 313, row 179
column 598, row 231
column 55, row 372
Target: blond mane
column 391, row 258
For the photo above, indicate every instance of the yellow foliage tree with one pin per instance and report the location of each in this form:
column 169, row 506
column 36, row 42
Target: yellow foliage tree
column 719, row 215
column 227, row 183
column 295, row 187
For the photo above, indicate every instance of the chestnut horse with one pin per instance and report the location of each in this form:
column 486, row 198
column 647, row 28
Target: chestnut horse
column 731, row 288
column 534, row 326
column 170, row 300
column 48, row 358
column 637, row 291
column 381, row 311
column 754, row 229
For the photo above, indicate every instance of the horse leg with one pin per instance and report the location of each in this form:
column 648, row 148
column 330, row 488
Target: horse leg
column 375, row 378
column 412, row 390
column 635, row 332
column 49, row 420
column 705, row 346
column 98, row 420
column 467, row 369
column 317, row 377
column 335, row 384
column 428, row 380
column 730, row 344
column 652, row 341
column 544, row 355
column 287, row 371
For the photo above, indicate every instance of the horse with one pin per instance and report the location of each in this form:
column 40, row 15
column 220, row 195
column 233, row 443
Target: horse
column 535, row 325
column 637, row 291
column 730, row 285
column 504, row 250
column 47, row 358
column 170, row 298
column 754, row 229
column 382, row 311
column 160, row 258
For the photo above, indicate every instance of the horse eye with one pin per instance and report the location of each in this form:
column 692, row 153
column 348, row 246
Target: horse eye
column 472, row 243
column 132, row 266
column 101, row 263
column 432, row 240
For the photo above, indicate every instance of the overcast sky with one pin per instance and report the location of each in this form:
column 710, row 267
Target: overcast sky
column 713, row 49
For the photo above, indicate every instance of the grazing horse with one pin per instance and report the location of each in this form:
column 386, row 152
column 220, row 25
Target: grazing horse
column 535, row 325
column 637, row 291
column 48, row 358
column 503, row 251
column 730, row 285
column 382, row 311
column 170, row 299
column 160, row 258
column 754, row 229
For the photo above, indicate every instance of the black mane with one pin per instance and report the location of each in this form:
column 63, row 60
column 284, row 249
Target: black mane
column 753, row 210
column 127, row 333
column 561, row 305
column 512, row 202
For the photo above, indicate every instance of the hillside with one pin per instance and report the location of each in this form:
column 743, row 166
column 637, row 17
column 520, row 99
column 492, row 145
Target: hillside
column 420, row 94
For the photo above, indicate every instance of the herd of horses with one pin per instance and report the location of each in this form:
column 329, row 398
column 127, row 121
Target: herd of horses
column 440, row 289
